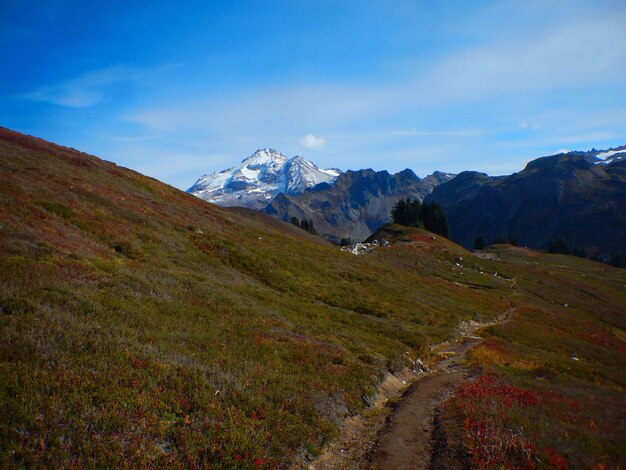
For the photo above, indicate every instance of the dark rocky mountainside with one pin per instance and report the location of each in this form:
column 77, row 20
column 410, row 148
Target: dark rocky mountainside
column 356, row 204
column 577, row 197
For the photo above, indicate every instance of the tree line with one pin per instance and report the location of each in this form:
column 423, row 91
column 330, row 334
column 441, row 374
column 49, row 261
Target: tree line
column 562, row 246
column 480, row 243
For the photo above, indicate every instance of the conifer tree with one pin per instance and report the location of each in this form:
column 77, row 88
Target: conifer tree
column 345, row 241
column 479, row 242
column 311, row 228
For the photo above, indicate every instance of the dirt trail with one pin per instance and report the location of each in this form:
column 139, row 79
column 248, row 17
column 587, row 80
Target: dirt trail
column 407, row 439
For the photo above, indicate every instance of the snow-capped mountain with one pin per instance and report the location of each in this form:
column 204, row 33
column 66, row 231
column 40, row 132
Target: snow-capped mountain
column 259, row 178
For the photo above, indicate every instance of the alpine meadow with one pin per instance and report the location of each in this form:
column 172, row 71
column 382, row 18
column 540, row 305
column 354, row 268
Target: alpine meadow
column 144, row 327
column 313, row 235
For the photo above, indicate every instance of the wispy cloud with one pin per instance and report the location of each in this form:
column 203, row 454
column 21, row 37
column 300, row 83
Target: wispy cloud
column 438, row 133
column 85, row 90
column 586, row 53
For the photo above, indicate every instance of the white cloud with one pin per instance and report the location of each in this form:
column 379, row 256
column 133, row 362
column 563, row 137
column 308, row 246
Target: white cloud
column 522, row 71
column 563, row 57
column 311, row 141
column 66, row 96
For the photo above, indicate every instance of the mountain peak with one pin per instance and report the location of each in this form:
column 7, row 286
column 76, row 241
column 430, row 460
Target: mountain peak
column 265, row 155
column 259, row 178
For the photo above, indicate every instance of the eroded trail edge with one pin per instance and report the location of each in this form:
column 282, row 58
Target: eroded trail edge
column 405, row 436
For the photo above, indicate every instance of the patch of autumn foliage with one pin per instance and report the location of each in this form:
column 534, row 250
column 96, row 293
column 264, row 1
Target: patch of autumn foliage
column 496, row 353
column 485, row 407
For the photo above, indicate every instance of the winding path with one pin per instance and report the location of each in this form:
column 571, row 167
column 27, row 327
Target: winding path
column 408, row 439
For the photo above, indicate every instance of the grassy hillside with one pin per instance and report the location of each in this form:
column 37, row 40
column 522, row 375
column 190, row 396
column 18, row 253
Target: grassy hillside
column 142, row 326
column 552, row 390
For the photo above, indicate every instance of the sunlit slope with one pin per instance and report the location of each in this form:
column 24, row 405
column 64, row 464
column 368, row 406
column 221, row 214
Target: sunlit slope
column 552, row 391
column 141, row 325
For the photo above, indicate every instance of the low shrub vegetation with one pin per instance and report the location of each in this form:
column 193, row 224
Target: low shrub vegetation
column 143, row 327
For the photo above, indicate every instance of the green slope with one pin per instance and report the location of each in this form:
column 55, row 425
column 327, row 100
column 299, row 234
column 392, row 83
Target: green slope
column 141, row 326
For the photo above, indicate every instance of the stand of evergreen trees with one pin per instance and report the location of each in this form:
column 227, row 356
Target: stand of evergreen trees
column 413, row 213
column 618, row 260
column 304, row 224
column 504, row 240
column 479, row 243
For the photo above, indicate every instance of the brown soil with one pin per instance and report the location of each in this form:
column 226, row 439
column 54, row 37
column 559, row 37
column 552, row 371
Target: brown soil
column 358, row 434
column 407, row 440
column 406, row 436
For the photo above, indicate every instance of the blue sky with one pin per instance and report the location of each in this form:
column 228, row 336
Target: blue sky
column 179, row 89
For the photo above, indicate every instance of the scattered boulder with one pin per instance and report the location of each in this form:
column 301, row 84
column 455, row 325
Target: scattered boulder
column 420, row 367
column 365, row 248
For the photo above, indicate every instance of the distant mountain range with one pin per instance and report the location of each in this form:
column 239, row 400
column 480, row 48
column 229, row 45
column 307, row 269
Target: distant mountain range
column 259, row 178
column 341, row 205
column 577, row 197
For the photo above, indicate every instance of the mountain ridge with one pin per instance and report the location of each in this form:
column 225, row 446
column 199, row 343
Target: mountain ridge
column 356, row 204
column 576, row 196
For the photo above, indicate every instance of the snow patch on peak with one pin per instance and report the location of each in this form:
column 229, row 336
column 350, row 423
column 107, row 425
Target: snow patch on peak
column 303, row 174
column 264, row 157
column 610, row 156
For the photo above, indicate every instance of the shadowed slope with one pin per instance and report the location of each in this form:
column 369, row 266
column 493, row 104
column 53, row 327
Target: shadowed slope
column 567, row 196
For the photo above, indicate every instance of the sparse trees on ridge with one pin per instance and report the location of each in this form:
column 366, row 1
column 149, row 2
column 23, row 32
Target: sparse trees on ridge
column 304, row 224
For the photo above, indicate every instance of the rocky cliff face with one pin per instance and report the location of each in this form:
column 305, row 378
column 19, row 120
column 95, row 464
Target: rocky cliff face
column 579, row 197
column 356, row 204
